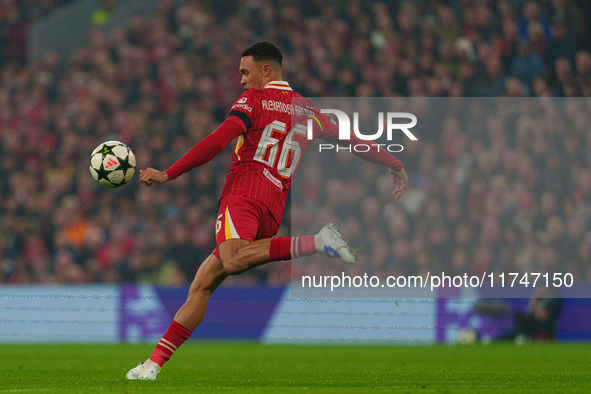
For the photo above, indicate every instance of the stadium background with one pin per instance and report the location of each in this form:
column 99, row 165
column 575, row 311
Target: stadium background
column 159, row 82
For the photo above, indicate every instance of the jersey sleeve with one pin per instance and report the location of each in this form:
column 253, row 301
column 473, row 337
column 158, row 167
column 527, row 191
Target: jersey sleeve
column 246, row 108
column 329, row 131
column 207, row 148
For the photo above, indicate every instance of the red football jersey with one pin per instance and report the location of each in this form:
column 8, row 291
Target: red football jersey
column 269, row 152
column 272, row 138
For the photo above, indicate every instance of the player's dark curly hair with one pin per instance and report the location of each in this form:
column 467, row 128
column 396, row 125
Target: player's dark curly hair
column 264, row 51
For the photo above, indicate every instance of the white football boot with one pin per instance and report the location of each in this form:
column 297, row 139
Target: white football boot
column 144, row 371
column 330, row 241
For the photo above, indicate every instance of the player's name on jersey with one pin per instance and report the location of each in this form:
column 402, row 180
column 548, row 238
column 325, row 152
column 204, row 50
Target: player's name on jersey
column 273, row 105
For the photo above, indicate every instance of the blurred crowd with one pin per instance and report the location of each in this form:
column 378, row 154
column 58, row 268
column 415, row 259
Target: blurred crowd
column 16, row 17
column 507, row 188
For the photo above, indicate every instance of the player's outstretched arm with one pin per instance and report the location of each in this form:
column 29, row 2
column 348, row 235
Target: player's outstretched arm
column 400, row 180
column 207, row 148
column 150, row 175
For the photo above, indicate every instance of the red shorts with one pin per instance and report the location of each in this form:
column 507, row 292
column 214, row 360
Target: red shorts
column 243, row 217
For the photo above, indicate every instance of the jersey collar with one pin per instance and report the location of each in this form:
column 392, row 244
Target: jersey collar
column 281, row 85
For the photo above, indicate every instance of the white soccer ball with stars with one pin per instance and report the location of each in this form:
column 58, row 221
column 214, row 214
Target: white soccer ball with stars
column 112, row 164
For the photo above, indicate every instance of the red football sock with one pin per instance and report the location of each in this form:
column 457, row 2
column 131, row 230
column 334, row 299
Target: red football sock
column 174, row 337
column 286, row 248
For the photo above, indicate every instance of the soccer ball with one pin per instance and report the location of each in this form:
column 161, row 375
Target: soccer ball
column 112, row 164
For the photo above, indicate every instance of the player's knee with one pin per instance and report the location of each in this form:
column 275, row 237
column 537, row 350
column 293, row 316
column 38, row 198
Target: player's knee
column 232, row 266
column 233, row 257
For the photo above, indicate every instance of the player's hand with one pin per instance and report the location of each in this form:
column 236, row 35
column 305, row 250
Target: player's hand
column 400, row 180
column 150, row 175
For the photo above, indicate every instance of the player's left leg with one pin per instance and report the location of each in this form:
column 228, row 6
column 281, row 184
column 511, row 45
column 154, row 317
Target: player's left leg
column 209, row 276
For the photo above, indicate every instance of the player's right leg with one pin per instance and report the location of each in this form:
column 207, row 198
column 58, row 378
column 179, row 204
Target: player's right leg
column 243, row 218
column 209, row 276
column 328, row 240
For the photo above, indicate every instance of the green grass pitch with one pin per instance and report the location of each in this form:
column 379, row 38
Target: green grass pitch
column 252, row 367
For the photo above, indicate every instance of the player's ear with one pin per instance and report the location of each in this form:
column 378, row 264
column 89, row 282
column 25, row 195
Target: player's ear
column 267, row 69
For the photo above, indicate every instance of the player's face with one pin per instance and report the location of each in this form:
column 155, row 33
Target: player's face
column 252, row 73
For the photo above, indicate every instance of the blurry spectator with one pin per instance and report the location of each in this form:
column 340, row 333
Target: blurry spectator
column 583, row 66
column 563, row 75
column 528, row 65
column 532, row 14
column 540, row 321
column 506, row 46
column 514, row 88
column 562, row 44
column 541, row 88
column 495, row 77
column 537, row 39
column 571, row 14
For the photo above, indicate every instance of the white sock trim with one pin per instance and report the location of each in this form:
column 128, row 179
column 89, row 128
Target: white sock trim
column 319, row 243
